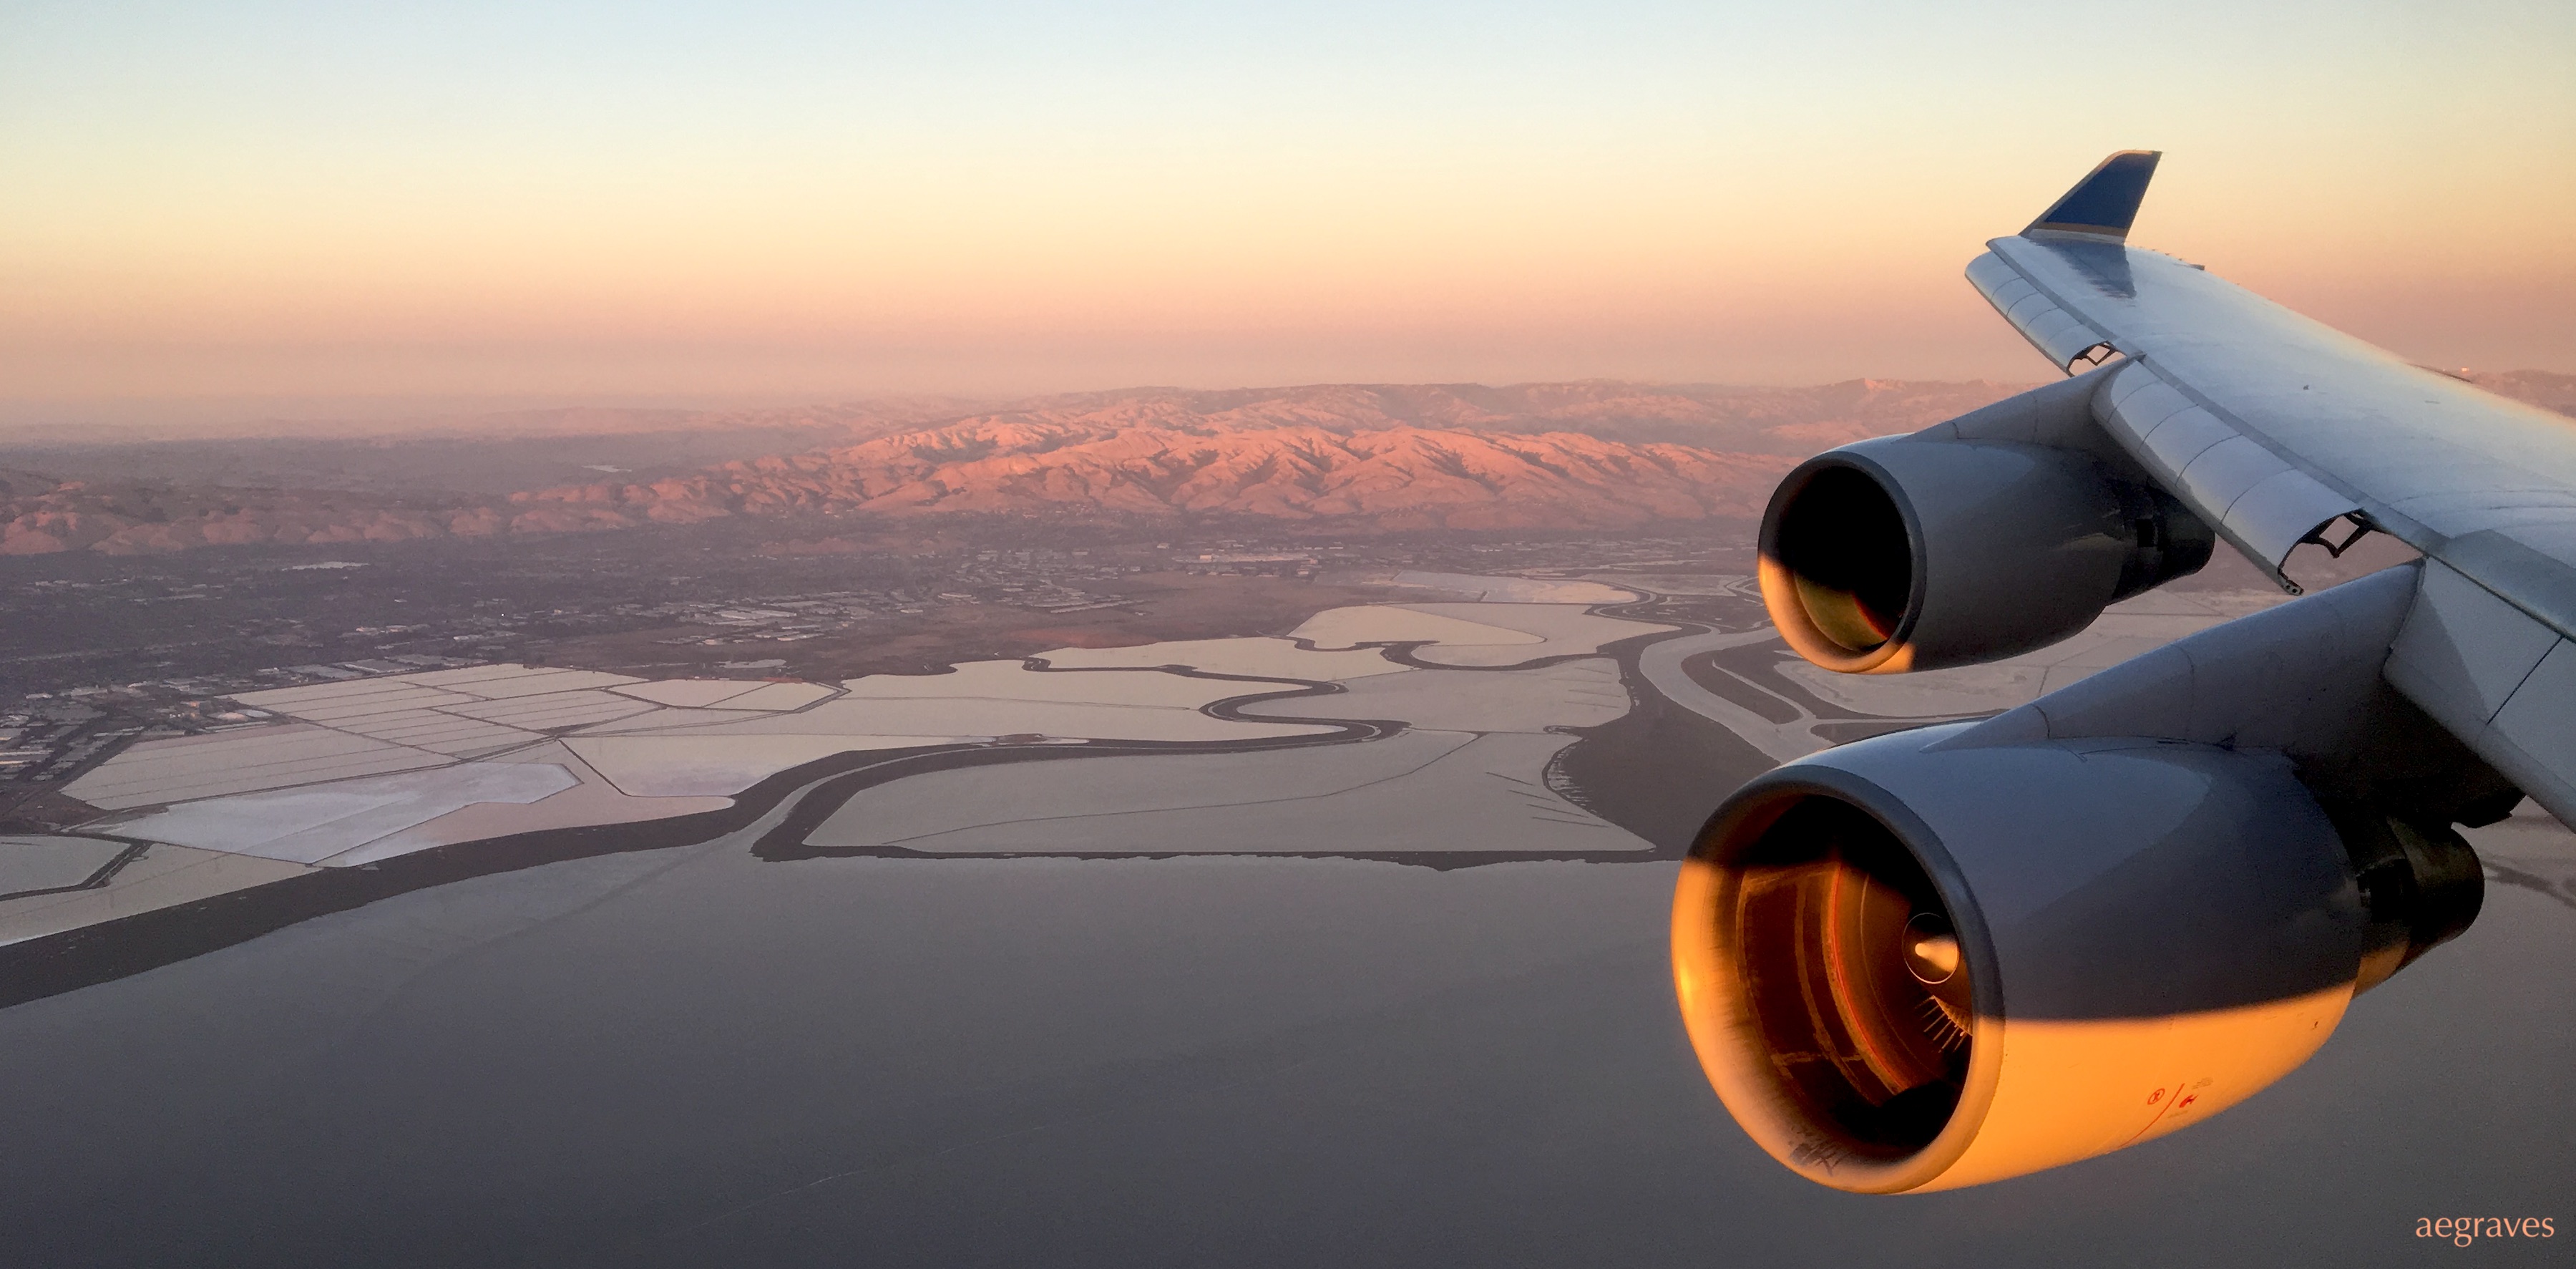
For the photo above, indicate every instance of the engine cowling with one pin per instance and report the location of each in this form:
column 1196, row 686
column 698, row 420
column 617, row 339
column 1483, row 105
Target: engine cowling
column 1906, row 966
column 1917, row 552
column 1966, row 952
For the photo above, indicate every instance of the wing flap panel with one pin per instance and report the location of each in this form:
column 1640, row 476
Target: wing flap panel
column 2151, row 403
column 2026, row 308
column 2282, row 510
column 1993, row 278
column 2062, row 337
column 2263, row 506
column 2183, row 436
column 2227, row 470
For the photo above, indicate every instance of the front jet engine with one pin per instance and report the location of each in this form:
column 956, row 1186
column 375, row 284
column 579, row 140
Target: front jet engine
column 2003, row 530
column 1967, row 952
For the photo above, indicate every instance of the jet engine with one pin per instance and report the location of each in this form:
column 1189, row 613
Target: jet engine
column 1970, row 951
column 2001, row 531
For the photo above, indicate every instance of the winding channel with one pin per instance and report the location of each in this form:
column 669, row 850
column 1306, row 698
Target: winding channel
column 777, row 814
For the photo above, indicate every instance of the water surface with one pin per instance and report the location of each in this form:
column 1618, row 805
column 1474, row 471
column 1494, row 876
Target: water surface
column 696, row 1056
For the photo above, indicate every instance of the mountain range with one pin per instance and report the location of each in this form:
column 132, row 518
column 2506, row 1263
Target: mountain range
column 1351, row 457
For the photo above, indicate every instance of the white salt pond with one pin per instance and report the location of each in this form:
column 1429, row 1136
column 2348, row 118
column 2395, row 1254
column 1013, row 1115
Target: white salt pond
column 1418, row 792
column 1255, row 658
column 1473, row 634
column 309, row 825
column 1556, row 629
column 32, row 862
column 1519, row 590
column 1584, row 693
column 698, row 766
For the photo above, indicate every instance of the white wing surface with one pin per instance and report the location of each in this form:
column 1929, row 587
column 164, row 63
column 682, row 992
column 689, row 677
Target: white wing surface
column 2272, row 427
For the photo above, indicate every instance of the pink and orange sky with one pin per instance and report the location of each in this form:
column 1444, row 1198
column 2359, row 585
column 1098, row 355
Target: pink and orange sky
column 252, row 207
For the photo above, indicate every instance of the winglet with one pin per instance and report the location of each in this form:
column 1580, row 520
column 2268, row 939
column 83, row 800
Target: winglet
column 2104, row 204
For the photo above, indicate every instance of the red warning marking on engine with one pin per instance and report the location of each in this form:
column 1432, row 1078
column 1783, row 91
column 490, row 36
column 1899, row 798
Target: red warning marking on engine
column 2152, row 1099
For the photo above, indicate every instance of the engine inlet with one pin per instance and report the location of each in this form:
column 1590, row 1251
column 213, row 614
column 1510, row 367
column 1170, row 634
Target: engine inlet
column 1840, row 545
column 1854, row 976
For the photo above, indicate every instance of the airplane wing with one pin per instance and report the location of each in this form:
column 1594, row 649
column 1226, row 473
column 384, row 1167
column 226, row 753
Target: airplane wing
column 2272, row 426
column 1972, row 950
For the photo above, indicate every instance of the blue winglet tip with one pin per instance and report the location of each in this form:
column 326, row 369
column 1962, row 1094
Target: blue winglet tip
column 2105, row 203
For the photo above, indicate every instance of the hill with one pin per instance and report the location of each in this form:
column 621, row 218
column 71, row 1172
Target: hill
column 1348, row 457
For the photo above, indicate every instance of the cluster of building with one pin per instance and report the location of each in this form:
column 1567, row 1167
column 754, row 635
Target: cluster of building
column 44, row 741
column 49, row 738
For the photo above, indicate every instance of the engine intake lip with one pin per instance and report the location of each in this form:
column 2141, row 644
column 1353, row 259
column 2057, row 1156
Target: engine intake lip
column 1797, row 1047
column 1842, row 564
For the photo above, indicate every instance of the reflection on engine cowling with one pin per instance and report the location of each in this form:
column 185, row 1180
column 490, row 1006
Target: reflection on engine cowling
column 1907, row 967
column 1907, row 553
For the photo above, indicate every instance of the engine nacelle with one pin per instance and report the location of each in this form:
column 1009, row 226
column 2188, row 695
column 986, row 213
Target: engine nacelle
column 1960, row 544
column 1909, row 967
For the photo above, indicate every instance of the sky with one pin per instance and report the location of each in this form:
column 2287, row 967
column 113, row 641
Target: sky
column 252, row 206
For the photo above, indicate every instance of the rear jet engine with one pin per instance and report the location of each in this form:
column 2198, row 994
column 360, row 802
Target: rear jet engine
column 1970, row 951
